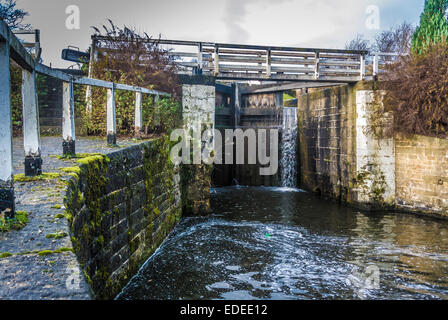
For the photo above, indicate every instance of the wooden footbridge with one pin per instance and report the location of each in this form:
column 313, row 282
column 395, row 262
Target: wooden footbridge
column 265, row 63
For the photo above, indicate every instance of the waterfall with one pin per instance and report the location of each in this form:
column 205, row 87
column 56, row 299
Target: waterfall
column 288, row 162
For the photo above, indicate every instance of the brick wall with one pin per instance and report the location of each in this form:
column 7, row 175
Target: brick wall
column 422, row 174
column 121, row 208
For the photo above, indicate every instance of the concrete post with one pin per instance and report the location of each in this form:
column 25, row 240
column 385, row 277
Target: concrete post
column 31, row 130
column 138, row 114
column 110, row 110
column 68, row 119
column 7, row 204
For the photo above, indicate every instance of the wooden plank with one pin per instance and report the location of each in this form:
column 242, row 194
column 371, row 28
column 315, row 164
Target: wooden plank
column 292, row 69
column 249, row 59
column 293, row 54
column 339, row 71
column 292, row 61
column 324, row 62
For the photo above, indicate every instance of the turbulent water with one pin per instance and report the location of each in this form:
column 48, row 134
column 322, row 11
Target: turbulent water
column 281, row 243
column 288, row 161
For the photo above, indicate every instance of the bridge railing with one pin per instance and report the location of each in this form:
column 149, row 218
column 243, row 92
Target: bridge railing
column 250, row 62
column 232, row 61
column 379, row 60
column 11, row 48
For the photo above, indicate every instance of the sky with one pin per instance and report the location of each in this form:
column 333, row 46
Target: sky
column 303, row 23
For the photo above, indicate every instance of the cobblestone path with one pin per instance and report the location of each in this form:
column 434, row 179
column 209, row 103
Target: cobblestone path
column 38, row 262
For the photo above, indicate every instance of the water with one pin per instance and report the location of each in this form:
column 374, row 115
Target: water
column 288, row 161
column 281, row 243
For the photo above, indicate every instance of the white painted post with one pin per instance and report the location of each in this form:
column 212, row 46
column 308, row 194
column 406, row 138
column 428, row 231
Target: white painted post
column 68, row 119
column 31, row 128
column 6, row 169
column 216, row 60
column 316, row 66
column 110, row 110
column 268, row 64
column 93, row 58
column 200, row 59
column 138, row 114
column 375, row 64
column 362, row 67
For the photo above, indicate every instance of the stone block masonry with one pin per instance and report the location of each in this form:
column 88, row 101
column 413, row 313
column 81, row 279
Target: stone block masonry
column 422, row 174
column 343, row 157
column 327, row 140
column 198, row 109
column 121, row 207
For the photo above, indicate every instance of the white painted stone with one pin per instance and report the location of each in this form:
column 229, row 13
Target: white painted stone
column 5, row 116
column 110, row 110
column 198, row 110
column 373, row 154
column 68, row 112
column 31, row 129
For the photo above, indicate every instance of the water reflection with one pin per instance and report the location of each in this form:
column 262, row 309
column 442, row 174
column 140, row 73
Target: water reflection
column 277, row 243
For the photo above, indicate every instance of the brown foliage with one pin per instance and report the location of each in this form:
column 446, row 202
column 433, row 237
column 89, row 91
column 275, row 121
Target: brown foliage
column 124, row 56
column 417, row 92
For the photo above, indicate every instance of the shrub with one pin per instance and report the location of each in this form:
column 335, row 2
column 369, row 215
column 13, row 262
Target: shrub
column 124, row 56
column 416, row 90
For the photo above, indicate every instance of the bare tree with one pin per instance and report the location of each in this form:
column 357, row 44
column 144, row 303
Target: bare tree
column 12, row 16
column 359, row 43
column 397, row 39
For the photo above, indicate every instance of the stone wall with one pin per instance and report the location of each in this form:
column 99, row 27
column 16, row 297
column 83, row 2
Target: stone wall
column 375, row 157
column 327, row 140
column 121, row 208
column 343, row 157
column 422, row 174
column 198, row 109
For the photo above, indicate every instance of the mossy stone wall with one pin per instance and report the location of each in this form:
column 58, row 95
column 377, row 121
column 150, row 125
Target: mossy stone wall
column 120, row 208
column 327, row 141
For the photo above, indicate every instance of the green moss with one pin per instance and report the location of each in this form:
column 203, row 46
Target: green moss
column 76, row 156
column 5, row 254
column 57, row 235
column 93, row 158
column 18, row 222
column 76, row 170
column 44, row 253
column 56, row 206
column 59, row 216
column 44, row 176
column 48, row 252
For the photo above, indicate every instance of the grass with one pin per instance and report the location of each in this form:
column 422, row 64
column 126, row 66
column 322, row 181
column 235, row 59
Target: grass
column 44, row 176
column 18, row 222
column 76, row 156
column 57, row 235
column 5, row 254
column 76, row 170
column 48, row 252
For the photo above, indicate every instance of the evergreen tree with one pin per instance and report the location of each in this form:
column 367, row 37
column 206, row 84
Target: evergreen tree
column 433, row 26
